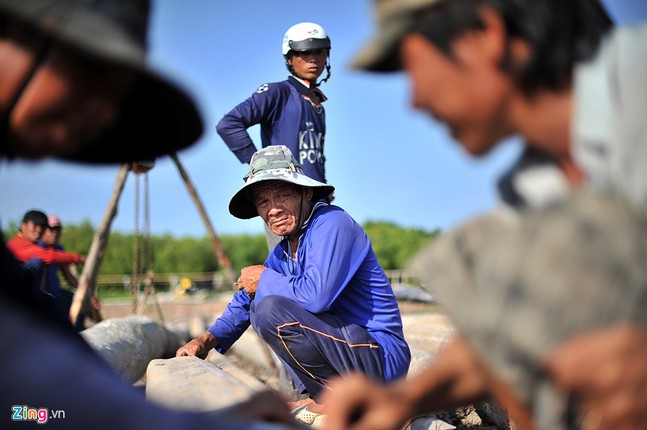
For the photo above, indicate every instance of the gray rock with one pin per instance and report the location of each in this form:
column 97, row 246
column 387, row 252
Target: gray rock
column 129, row 344
column 189, row 383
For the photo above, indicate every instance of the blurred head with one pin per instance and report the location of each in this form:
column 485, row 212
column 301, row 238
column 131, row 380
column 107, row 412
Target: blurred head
column 74, row 84
column 557, row 34
column 469, row 60
column 68, row 101
column 33, row 224
column 469, row 94
column 52, row 233
column 306, row 48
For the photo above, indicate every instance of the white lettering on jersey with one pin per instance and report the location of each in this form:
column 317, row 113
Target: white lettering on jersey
column 310, row 145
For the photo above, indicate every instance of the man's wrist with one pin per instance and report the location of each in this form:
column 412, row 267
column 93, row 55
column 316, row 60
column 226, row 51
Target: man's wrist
column 208, row 339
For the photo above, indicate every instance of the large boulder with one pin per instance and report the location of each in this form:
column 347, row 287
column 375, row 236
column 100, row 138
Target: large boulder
column 128, row 344
column 189, row 383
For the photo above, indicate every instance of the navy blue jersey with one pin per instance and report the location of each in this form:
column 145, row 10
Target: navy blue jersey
column 287, row 117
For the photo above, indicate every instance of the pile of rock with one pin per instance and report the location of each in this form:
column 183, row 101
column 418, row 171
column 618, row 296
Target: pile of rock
column 142, row 351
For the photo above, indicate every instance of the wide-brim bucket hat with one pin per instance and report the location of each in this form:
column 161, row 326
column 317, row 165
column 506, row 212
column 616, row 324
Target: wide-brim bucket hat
column 394, row 19
column 273, row 163
column 157, row 117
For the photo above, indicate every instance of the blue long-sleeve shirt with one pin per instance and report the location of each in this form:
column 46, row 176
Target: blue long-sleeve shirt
column 336, row 271
column 287, row 117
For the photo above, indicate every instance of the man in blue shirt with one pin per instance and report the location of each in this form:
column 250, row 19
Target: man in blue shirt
column 322, row 301
column 51, row 239
column 290, row 112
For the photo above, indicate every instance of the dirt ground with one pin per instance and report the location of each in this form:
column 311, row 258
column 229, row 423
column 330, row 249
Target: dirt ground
column 182, row 309
column 185, row 308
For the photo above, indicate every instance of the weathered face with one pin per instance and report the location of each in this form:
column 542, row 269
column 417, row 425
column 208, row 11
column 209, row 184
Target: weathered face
column 31, row 231
column 282, row 206
column 51, row 235
column 309, row 65
column 69, row 101
column 470, row 94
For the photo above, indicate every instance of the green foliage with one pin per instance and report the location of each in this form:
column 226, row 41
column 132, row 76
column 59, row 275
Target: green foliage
column 395, row 245
column 77, row 238
column 245, row 250
column 11, row 229
column 118, row 258
column 169, row 254
column 186, row 254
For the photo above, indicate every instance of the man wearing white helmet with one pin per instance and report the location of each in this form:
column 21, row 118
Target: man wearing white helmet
column 289, row 112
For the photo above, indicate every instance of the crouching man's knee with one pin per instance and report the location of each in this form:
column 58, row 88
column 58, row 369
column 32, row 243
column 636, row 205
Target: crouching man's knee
column 271, row 313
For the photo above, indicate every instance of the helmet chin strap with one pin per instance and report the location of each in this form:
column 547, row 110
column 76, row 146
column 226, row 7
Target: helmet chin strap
column 20, row 89
column 328, row 74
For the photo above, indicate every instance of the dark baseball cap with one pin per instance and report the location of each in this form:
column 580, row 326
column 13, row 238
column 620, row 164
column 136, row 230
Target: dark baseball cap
column 35, row 216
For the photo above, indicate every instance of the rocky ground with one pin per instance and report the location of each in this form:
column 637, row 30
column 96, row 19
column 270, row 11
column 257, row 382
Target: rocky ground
column 427, row 330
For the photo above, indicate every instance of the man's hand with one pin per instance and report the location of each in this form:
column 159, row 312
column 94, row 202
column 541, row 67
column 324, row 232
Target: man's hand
column 607, row 372
column 263, row 406
column 357, row 403
column 95, row 309
column 199, row 347
column 456, row 378
column 249, row 278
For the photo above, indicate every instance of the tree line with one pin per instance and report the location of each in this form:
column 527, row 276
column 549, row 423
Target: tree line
column 394, row 246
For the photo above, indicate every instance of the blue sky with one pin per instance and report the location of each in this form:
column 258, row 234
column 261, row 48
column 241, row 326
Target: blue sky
column 387, row 161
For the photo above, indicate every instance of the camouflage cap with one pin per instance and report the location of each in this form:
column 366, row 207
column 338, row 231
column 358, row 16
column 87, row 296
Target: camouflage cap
column 274, row 163
column 394, row 18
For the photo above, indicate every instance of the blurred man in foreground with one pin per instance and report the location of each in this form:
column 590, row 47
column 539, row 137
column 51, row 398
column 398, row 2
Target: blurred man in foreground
column 554, row 73
column 74, row 84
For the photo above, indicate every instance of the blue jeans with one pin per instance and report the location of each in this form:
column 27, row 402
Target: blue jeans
column 315, row 347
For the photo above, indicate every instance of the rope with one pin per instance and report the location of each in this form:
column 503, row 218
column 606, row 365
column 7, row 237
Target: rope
column 148, row 255
column 135, row 275
column 146, row 251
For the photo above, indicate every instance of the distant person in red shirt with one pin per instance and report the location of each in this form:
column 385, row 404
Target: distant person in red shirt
column 35, row 258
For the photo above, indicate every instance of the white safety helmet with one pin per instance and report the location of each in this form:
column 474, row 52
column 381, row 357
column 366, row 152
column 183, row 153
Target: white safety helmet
column 304, row 37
